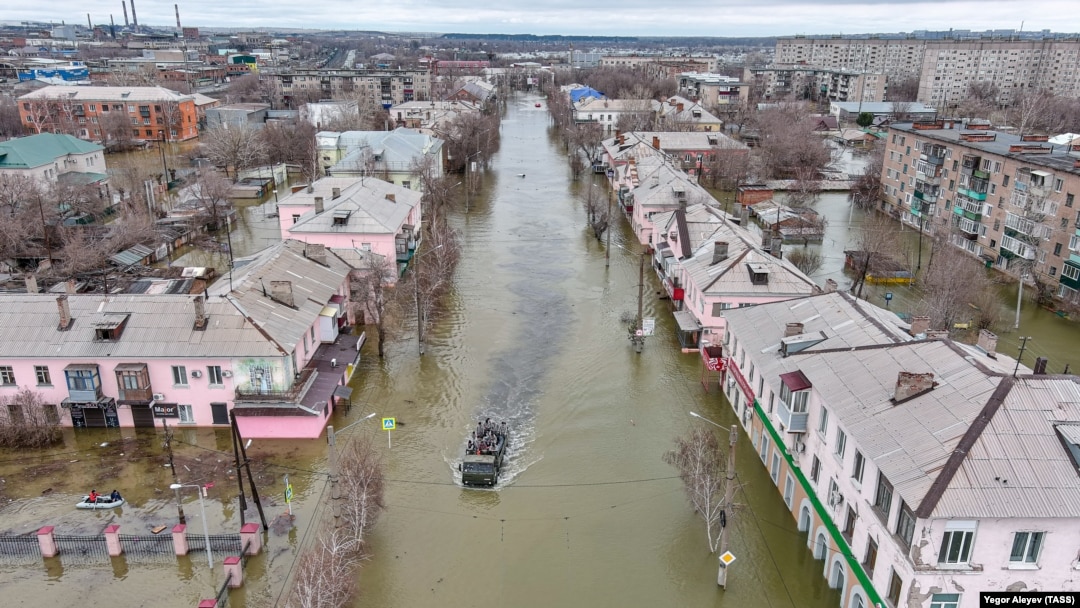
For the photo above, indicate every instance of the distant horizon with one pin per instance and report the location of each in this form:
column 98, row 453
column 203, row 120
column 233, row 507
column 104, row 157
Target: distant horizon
column 626, row 18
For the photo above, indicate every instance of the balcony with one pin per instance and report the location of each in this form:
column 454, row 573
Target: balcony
column 133, row 381
column 84, row 383
column 973, row 194
column 1016, row 248
column 968, row 226
column 794, row 422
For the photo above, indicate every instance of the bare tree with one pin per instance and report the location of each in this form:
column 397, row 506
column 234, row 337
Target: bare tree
column 433, row 275
column 876, row 246
column 903, row 89
column 807, row 260
column 210, row 191
column 325, row 575
column 638, row 117
column 292, row 143
column 26, row 421
column 1029, row 109
column 981, row 100
column 596, row 211
column 236, row 147
column 361, row 487
column 247, row 89
column 11, row 124
column 787, row 143
column 952, row 285
column 372, row 296
column 700, row 462
column 805, row 190
column 867, row 192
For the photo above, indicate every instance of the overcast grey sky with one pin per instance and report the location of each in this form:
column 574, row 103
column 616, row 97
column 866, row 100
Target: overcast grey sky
column 600, row 17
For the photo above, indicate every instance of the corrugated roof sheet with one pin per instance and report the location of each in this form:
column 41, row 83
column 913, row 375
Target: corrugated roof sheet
column 364, row 208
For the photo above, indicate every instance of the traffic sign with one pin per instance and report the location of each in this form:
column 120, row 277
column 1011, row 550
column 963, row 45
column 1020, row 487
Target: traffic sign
column 288, row 493
column 648, row 325
column 389, row 424
column 727, row 558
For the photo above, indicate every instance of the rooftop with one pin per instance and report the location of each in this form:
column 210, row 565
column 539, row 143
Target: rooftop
column 41, row 149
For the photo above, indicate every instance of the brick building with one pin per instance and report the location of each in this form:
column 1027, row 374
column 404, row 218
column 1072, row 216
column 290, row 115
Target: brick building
column 154, row 112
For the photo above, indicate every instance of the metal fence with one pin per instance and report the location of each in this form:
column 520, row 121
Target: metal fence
column 82, row 549
column 223, row 593
column 18, row 550
column 148, row 548
column 220, row 543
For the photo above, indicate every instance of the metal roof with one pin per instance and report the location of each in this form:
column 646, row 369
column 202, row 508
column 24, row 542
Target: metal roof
column 363, row 208
column 131, row 256
column 42, row 149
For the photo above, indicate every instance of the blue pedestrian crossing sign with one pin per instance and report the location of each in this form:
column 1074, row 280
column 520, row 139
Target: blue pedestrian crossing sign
column 389, row 424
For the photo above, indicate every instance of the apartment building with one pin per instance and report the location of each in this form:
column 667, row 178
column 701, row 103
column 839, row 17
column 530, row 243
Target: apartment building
column 154, row 112
column 822, row 84
column 1005, row 199
column 946, row 68
column 377, row 87
column 663, row 66
column 922, row 471
column 713, row 90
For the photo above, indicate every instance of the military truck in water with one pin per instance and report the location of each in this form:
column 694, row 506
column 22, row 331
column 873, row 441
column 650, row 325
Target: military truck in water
column 484, row 453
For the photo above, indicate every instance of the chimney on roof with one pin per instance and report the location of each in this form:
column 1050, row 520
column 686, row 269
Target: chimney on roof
column 744, row 216
column 31, row 284
column 988, row 343
column 69, row 287
column 909, row 384
column 336, row 192
column 1040, row 366
column 919, row 325
column 776, row 246
column 720, row 251
column 618, row 135
column 679, row 107
column 793, row 329
column 656, row 142
column 200, row 313
column 315, row 252
column 391, row 197
column 318, row 205
column 282, row 292
column 65, row 312
column 830, row 286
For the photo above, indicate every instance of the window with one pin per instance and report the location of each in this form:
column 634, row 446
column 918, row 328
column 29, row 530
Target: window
column 1057, row 247
column 871, row 557
column 213, row 374
column 81, row 379
column 956, row 543
column 42, row 373
column 815, row 469
column 187, row 415
column 823, row 422
column 7, row 375
column 895, row 586
column 789, row 490
column 945, row 600
column 1068, row 200
column 883, row 496
column 1004, row 181
column 179, row 375
column 129, row 381
column 1025, row 548
column 841, row 442
column 796, row 400
column 764, row 447
column 905, row 525
column 849, row 524
column 857, row 469
column 772, row 400
column 1058, row 184
column 295, row 217
column 774, row 471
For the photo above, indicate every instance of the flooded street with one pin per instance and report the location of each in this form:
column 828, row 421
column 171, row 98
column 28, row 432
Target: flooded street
column 586, row 513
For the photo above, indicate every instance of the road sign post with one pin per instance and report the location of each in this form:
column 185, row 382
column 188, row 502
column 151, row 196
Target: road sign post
column 288, row 494
column 389, row 424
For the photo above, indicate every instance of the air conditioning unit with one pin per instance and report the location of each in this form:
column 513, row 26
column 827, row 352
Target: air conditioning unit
column 196, row 374
column 835, row 498
column 226, row 374
column 159, row 397
column 799, row 447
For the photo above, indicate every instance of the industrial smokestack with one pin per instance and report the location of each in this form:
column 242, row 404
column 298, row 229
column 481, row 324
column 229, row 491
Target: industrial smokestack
column 134, row 17
column 177, row 7
column 112, row 27
column 124, row 4
column 89, row 24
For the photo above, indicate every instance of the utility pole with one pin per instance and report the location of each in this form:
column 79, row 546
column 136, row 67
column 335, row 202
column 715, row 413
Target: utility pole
column 607, row 250
column 1019, row 295
column 637, row 333
column 729, row 497
column 251, row 480
column 1023, row 345
column 239, row 474
column 416, row 299
column 334, row 495
column 172, row 467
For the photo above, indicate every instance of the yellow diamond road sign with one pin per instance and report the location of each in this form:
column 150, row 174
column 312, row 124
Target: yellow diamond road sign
column 727, row 558
column 389, row 424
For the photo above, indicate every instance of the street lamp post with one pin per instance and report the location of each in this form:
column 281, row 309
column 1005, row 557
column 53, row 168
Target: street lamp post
column 729, row 496
column 416, row 298
column 468, row 176
column 202, row 510
column 331, row 437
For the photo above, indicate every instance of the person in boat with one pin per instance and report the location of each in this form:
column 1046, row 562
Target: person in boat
column 115, row 496
column 93, row 497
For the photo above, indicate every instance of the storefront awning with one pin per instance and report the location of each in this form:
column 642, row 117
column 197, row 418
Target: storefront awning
column 687, row 321
column 795, row 381
column 343, row 392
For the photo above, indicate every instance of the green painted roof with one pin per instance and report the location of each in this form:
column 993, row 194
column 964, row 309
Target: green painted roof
column 42, row 149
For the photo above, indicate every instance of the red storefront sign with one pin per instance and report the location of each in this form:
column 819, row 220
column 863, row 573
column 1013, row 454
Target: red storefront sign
column 743, row 384
column 713, row 358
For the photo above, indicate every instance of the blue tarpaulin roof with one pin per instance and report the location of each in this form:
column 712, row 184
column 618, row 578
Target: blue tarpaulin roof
column 577, row 94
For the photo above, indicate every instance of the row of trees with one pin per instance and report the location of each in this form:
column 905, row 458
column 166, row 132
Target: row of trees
column 27, row 422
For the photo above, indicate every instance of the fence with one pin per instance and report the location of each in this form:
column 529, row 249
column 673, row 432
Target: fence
column 219, row 543
column 19, row 550
column 71, row 549
column 82, row 549
column 147, row 548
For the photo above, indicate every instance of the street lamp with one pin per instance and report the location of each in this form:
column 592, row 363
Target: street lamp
column 468, row 175
column 202, row 509
column 330, row 441
column 699, row 416
column 416, row 298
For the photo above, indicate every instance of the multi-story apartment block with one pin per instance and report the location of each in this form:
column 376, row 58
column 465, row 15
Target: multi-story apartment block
column 154, row 112
column 922, row 471
column 946, row 68
column 663, row 66
column 713, row 90
column 1005, row 199
column 822, row 84
column 377, row 87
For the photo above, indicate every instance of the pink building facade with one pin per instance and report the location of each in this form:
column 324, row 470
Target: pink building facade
column 278, row 361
